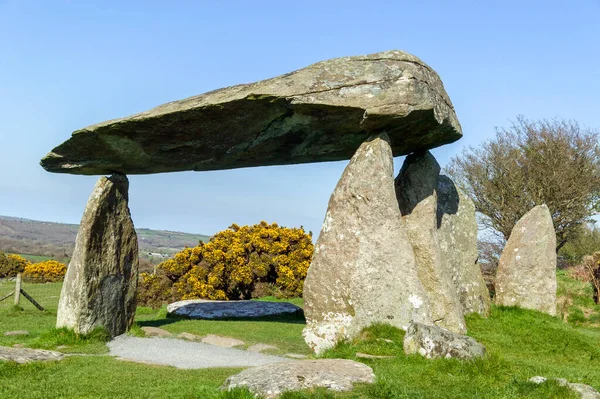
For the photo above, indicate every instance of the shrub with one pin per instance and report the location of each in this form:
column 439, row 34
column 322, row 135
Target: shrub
column 592, row 265
column 11, row 265
column 237, row 263
column 45, row 272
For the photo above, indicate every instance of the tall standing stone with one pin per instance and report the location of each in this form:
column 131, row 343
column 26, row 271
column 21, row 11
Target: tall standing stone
column 363, row 270
column 457, row 236
column 416, row 186
column 101, row 281
column 526, row 274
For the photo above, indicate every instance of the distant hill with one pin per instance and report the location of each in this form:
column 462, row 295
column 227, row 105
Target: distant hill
column 18, row 235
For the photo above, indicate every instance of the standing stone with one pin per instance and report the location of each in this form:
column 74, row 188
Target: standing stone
column 416, row 186
column 457, row 236
column 363, row 270
column 526, row 274
column 101, row 281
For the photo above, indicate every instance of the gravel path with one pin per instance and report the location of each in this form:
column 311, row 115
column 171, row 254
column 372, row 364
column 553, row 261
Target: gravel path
column 184, row 354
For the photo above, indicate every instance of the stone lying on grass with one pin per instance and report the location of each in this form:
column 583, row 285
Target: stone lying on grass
column 16, row 333
column 258, row 348
column 584, row 391
column 435, row 342
column 205, row 309
column 25, row 355
column 189, row 337
column 217, row 340
column 156, row 332
column 274, row 379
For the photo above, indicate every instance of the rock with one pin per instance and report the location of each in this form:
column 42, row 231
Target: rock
column 14, row 333
column 584, row 391
column 274, row 379
column 101, row 281
column 526, row 274
column 457, row 237
column 25, row 355
column 295, row 356
column 320, row 113
column 258, row 348
column 363, row 269
column 361, row 355
column 189, row 337
column 416, row 187
column 156, row 332
column 206, row 309
column 218, row 340
column 435, row 342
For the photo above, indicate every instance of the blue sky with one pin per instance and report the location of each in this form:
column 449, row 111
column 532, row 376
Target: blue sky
column 68, row 64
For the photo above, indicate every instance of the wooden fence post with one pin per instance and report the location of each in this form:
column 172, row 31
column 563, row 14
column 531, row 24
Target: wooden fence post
column 18, row 290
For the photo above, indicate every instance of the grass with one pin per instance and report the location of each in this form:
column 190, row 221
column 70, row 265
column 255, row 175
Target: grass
column 577, row 305
column 520, row 344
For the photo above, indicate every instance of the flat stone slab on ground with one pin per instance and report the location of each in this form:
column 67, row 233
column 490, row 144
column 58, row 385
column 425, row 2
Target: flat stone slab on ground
column 185, row 354
column 26, row 355
column 258, row 348
column 189, row 336
column 274, row 379
column 218, row 340
column 206, row 309
column 156, row 332
column 16, row 333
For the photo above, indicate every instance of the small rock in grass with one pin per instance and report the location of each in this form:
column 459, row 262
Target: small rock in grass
column 295, row 356
column 189, row 337
column 16, row 333
column 156, row 332
column 218, row 340
column 274, row 379
column 389, row 341
column 361, row 355
column 18, row 346
column 258, row 348
column 436, row 342
column 584, row 391
column 25, row 355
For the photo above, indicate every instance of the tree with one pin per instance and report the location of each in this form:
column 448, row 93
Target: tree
column 585, row 242
column 555, row 162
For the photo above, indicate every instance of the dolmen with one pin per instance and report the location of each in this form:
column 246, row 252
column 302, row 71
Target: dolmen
column 397, row 250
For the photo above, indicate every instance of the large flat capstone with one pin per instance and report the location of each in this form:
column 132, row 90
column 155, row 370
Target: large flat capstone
column 319, row 113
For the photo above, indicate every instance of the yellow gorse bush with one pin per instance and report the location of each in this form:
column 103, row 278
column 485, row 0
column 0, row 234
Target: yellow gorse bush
column 45, row 272
column 11, row 265
column 237, row 263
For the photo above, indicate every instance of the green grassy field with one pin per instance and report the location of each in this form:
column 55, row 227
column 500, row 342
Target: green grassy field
column 520, row 344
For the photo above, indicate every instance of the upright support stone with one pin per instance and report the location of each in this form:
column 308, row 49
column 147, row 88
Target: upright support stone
column 363, row 270
column 101, row 281
column 457, row 236
column 526, row 274
column 416, row 187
